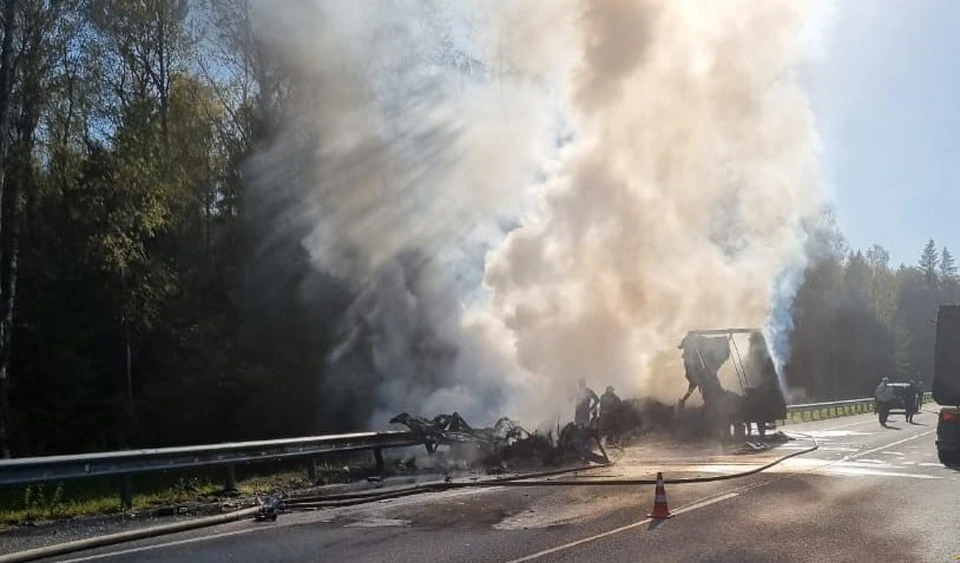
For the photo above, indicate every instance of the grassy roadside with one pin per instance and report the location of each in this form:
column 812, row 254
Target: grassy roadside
column 153, row 492
column 52, row 501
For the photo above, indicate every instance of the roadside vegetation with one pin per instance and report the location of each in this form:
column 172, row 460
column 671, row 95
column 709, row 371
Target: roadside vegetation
column 164, row 494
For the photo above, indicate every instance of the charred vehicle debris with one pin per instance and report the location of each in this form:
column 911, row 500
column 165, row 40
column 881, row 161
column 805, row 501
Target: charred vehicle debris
column 726, row 415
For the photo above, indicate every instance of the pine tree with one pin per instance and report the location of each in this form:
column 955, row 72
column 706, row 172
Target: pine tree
column 948, row 267
column 878, row 257
column 929, row 264
column 949, row 279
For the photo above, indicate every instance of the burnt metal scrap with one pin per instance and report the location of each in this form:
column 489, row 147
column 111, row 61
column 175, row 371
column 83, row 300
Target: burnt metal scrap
column 450, row 429
column 506, row 441
column 759, row 401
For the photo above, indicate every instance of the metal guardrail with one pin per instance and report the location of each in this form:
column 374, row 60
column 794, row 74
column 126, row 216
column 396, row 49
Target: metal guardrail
column 30, row 470
column 837, row 408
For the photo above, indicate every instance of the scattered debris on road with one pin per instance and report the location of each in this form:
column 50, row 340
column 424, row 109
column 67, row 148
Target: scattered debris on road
column 269, row 508
column 725, row 416
column 506, row 443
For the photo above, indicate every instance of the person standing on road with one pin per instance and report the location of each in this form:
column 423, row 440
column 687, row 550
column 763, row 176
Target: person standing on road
column 883, row 396
column 910, row 400
column 587, row 402
column 610, row 415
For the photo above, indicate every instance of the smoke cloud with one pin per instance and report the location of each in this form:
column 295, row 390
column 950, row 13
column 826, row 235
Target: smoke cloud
column 523, row 194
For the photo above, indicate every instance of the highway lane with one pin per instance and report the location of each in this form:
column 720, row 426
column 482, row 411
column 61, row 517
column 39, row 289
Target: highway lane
column 869, row 494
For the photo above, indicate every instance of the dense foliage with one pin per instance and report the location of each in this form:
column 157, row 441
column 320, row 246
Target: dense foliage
column 149, row 297
column 151, row 305
column 857, row 319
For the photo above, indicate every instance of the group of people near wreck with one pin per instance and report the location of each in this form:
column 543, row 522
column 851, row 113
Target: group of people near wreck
column 886, row 398
column 601, row 414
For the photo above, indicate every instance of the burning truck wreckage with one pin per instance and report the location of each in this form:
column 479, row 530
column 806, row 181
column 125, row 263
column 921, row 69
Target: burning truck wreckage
column 725, row 417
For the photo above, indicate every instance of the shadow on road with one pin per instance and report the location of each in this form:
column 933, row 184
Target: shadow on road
column 891, row 427
column 737, row 554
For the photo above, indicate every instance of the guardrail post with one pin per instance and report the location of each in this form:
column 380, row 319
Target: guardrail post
column 378, row 457
column 126, row 492
column 230, row 484
column 313, row 474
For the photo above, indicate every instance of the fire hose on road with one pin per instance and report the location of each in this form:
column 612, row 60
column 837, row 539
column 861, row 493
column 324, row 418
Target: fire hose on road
column 528, row 480
column 540, row 479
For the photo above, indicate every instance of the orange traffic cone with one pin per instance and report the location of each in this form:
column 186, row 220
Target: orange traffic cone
column 660, row 508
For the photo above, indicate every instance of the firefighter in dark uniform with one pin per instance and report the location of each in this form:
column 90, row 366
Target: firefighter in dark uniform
column 610, row 416
column 910, row 400
column 587, row 403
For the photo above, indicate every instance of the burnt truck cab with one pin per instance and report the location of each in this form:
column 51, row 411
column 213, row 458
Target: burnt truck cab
column 946, row 383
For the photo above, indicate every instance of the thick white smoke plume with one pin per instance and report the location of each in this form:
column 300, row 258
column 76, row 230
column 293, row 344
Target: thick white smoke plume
column 526, row 193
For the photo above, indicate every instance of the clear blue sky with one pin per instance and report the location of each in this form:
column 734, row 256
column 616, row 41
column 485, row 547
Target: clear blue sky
column 886, row 91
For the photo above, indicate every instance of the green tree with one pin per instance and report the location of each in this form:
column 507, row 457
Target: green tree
column 930, row 264
column 949, row 280
column 813, row 366
column 10, row 20
column 948, row 267
column 917, row 305
column 883, row 287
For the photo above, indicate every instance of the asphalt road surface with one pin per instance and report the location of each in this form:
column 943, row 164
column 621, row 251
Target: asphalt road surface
column 868, row 494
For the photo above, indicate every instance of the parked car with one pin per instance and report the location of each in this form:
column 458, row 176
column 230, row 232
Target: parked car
column 899, row 403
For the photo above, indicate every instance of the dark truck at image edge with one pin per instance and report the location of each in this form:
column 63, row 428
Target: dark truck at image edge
column 946, row 383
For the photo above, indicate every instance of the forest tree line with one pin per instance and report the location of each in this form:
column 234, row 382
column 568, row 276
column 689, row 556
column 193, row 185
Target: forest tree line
column 147, row 295
column 857, row 319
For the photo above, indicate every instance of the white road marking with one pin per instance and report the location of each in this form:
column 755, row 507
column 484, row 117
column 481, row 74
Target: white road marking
column 865, row 464
column 378, row 523
column 849, row 424
column 835, row 433
column 159, row 545
column 859, row 472
column 608, row 533
column 888, row 446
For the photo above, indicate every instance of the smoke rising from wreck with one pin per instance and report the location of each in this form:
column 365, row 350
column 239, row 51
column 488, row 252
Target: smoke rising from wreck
column 523, row 194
